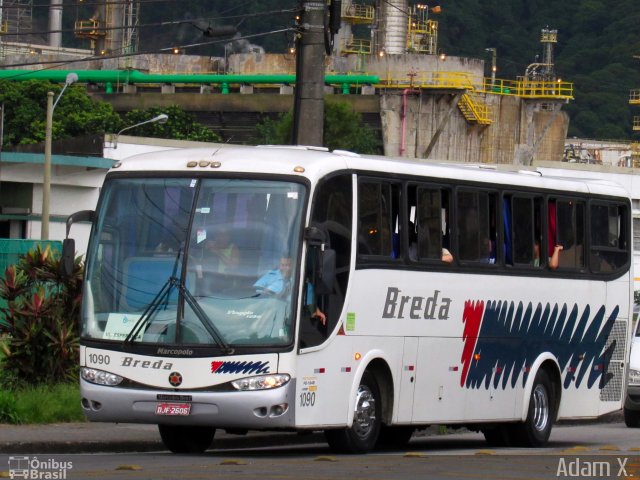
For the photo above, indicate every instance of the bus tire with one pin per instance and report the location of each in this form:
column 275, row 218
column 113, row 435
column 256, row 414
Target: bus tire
column 394, row 437
column 363, row 434
column 186, row 438
column 631, row 418
column 535, row 430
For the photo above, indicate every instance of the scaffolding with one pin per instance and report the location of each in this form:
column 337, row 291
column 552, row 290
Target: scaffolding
column 544, row 70
column 113, row 28
column 422, row 33
column 16, row 16
column 356, row 14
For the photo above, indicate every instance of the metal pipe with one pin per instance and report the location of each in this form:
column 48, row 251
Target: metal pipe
column 403, row 116
column 55, row 23
column 134, row 76
column 46, row 176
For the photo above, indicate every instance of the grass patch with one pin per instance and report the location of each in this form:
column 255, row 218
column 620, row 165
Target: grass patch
column 42, row 404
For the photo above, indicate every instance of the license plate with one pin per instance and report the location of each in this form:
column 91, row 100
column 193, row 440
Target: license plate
column 173, row 408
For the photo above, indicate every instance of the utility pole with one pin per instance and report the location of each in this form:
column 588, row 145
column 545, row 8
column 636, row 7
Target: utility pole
column 308, row 111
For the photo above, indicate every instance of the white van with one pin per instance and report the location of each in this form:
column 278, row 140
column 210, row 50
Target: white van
column 632, row 400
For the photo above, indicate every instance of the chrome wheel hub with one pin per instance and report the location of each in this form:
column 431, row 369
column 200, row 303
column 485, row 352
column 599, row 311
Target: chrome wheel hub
column 540, row 408
column 365, row 412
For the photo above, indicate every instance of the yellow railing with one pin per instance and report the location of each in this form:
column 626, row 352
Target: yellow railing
column 88, row 29
column 359, row 14
column 529, row 88
column 430, row 27
column 357, row 45
column 634, row 97
column 453, row 80
column 466, row 81
column 474, row 109
column 422, row 37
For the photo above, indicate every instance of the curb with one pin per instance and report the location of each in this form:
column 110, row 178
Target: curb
column 224, row 442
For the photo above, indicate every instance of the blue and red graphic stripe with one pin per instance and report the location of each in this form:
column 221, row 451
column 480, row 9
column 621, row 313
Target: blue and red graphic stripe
column 502, row 339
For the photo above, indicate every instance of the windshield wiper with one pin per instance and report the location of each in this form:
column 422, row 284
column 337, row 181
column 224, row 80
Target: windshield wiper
column 204, row 318
column 171, row 283
column 150, row 310
column 163, row 297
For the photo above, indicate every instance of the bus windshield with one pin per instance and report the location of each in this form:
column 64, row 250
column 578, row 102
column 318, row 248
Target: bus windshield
column 193, row 262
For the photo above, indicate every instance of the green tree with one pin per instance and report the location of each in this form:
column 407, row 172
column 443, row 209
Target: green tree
column 343, row 130
column 181, row 125
column 25, row 107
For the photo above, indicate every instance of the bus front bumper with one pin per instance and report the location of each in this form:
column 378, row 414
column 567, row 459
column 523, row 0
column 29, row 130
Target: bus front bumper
column 259, row 410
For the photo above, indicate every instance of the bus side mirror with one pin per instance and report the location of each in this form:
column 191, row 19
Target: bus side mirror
column 315, row 236
column 326, row 276
column 68, row 257
column 81, row 216
column 69, row 245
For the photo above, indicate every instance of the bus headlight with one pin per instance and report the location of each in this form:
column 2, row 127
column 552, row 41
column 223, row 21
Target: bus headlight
column 99, row 377
column 261, row 382
column 634, row 377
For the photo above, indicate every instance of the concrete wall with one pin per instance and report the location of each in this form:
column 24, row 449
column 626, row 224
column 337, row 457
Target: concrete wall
column 520, row 131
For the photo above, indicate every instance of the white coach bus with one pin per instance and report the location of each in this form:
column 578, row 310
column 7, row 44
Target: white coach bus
column 294, row 289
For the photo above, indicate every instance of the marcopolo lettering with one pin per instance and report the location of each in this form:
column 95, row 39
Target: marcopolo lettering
column 415, row 307
column 157, row 365
column 239, row 367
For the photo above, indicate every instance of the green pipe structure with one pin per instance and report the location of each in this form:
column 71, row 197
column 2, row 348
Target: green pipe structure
column 110, row 77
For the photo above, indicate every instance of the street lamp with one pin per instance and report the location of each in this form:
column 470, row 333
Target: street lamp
column 162, row 118
column 46, row 182
column 493, row 64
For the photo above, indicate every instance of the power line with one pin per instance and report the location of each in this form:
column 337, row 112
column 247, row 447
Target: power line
column 57, row 63
column 81, row 3
column 161, row 24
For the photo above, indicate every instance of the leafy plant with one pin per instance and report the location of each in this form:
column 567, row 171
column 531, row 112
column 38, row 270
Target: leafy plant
column 343, row 129
column 181, row 125
column 41, row 320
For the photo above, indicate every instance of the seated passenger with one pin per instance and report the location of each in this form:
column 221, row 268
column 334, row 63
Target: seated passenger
column 489, row 255
column 278, row 281
column 223, row 252
column 554, row 259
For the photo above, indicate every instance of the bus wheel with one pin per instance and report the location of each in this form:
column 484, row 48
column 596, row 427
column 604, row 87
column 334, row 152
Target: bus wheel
column 631, row 418
column 361, row 437
column 394, row 437
column 186, row 438
column 535, row 430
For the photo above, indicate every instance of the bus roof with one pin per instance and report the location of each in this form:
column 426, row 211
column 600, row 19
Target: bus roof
column 317, row 162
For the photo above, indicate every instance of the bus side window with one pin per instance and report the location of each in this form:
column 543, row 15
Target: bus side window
column 522, row 240
column 378, row 214
column 476, row 214
column 609, row 250
column 430, row 224
column 569, row 229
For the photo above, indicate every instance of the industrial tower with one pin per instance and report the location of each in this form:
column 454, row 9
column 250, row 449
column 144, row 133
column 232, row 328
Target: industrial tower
column 112, row 29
